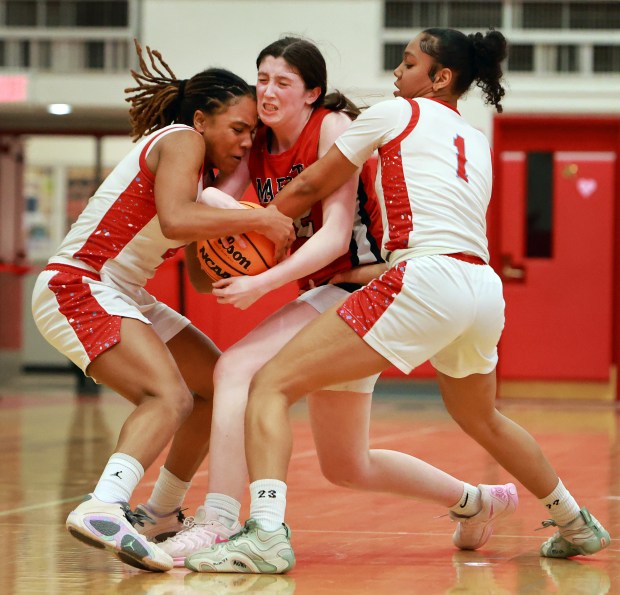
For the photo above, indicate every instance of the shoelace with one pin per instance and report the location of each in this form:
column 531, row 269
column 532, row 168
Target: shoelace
column 135, row 517
column 570, row 534
column 546, row 523
column 245, row 529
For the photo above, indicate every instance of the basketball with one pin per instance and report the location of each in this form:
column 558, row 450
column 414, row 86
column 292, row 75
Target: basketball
column 223, row 258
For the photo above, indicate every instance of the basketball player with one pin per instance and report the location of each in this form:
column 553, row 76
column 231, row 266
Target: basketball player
column 438, row 300
column 90, row 302
column 301, row 126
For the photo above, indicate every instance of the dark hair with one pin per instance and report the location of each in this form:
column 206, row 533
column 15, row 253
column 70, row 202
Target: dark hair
column 474, row 57
column 307, row 60
column 161, row 99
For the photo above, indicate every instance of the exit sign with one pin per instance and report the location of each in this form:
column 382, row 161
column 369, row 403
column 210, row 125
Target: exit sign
column 13, row 88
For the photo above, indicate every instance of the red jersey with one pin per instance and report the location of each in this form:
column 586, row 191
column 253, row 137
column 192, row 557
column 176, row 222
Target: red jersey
column 270, row 173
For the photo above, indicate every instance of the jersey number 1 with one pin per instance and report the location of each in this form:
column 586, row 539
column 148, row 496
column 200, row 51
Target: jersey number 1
column 459, row 143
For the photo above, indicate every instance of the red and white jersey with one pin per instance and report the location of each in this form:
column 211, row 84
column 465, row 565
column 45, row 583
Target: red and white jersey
column 435, row 176
column 270, row 173
column 118, row 234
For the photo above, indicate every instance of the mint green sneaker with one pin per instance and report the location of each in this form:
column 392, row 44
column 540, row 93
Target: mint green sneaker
column 583, row 536
column 251, row 550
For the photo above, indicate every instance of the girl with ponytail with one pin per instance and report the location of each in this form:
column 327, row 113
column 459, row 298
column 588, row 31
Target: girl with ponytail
column 439, row 300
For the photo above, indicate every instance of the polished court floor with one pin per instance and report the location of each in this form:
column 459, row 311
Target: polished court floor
column 54, row 445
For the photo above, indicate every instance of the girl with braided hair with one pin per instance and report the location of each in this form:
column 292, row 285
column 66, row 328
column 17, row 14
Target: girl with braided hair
column 439, row 300
column 90, row 301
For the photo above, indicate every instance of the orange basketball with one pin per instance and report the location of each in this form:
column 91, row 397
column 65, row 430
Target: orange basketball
column 222, row 260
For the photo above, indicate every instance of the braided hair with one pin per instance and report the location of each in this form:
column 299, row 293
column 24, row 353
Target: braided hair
column 159, row 99
column 473, row 58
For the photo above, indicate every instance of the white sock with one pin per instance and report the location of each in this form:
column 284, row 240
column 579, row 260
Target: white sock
column 562, row 507
column 470, row 502
column 119, row 478
column 168, row 493
column 268, row 503
column 228, row 509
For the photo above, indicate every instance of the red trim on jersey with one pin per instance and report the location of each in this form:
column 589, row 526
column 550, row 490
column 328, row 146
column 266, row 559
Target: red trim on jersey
column 96, row 330
column 71, row 270
column 364, row 307
column 470, row 258
column 126, row 217
column 395, row 194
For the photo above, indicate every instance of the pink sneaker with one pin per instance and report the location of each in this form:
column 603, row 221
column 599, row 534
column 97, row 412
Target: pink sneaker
column 202, row 531
column 474, row 531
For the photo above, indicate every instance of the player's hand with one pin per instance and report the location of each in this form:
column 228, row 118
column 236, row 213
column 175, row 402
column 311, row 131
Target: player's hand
column 361, row 275
column 279, row 229
column 240, row 292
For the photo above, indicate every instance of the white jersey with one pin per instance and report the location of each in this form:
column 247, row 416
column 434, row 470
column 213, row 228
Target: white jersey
column 424, row 147
column 118, row 235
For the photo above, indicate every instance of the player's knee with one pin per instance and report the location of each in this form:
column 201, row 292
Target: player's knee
column 345, row 474
column 178, row 403
column 233, row 367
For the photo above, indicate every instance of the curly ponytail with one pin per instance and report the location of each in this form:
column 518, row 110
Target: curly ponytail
column 475, row 57
column 489, row 52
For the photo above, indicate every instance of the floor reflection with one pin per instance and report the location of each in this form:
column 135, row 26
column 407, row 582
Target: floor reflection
column 54, row 446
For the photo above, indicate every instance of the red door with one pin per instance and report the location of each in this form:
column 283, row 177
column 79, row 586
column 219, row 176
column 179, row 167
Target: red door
column 557, row 232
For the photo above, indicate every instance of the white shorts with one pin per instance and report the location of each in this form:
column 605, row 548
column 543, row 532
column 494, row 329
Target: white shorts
column 81, row 316
column 322, row 298
column 435, row 308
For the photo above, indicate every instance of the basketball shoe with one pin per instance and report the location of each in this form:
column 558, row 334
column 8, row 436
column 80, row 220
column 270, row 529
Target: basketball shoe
column 199, row 532
column 474, row 531
column 160, row 527
column 584, row 536
column 111, row 526
column 252, row 550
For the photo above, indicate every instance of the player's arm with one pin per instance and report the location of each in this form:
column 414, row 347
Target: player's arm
column 360, row 275
column 324, row 246
column 315, row 183
column 178, row 159
column 198, row 278
column 237, row 183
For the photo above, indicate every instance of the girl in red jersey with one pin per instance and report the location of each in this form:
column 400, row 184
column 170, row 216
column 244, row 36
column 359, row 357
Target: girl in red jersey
column 90, row 302
column 439, row 300
column 299, row 123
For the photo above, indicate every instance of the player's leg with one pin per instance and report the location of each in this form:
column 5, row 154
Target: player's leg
column 141, row 369
column 324, row 352
column 218, row 517
column 471, row 402
column 340, row 424
column 195, row 355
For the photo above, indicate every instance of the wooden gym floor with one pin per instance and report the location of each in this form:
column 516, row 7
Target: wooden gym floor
column 55, row 444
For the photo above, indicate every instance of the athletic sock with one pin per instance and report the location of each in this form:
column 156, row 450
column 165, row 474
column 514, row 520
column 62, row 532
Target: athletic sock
column 470, row 502
column 562, row 507
column 227, row 509
column 119, row 478
column 168, row 493
column 268, row 503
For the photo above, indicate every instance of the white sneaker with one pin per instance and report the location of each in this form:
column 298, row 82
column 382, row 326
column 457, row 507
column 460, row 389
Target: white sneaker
column 474, row 531
column 160, row 527
column 252, row 550
column 201, row 531
column 111, row 526
column 583, row 536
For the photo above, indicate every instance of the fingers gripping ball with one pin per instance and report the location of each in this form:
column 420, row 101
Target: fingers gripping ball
column 224, row 257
